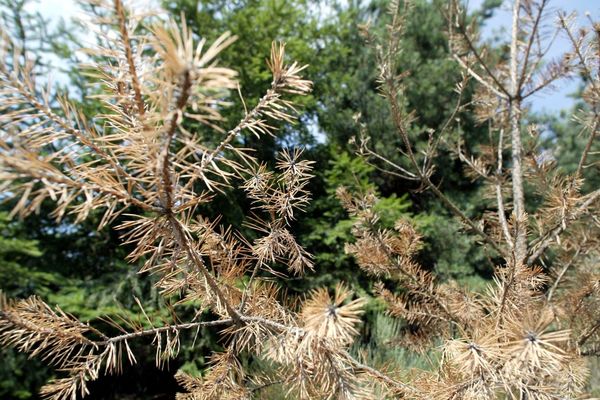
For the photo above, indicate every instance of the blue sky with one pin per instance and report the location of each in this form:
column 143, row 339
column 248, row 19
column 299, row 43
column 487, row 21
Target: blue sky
column 55, row 8
column 550, row 101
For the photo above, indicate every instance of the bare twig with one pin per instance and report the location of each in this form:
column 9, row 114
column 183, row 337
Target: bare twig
column 562, row 273
column 499, row 196
column 168, row 328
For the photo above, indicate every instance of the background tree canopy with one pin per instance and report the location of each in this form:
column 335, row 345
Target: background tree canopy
column 83, row 269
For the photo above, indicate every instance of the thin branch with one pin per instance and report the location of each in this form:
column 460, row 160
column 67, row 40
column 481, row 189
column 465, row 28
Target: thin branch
column 587, row 73
column 390, row 89
column 405, row 174
column 65, row 180
column 355, row 363
column 411, row 277
column 154, row 331
column 392, row 94
column 248, row 286
column 166, row 172
column 561, row 274
column 554, row 75
column 183, row 242
column 471, row 164
column 540, row 58
column 433, row 149
column 479, row 79
column 232, row 134
column 588, row 333
column 588, row 146
column 266, row 385
column 499, row 197
column 379, row 375
column 70, row 129
column 532, row 36
column 135, row 82
column 480, row 61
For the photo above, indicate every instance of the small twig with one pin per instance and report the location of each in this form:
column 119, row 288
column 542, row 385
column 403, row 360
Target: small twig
column 588, row 333
column 588, row 146
column 480, row 61
column 231, row 134
column 135, row 82
column 183, row 242
column 499, row 197
column 561, row 274
column 153, row 331
column 403, row 172
column 479, row 79
column 248, row 287
column 532, row 36
column 266, row 385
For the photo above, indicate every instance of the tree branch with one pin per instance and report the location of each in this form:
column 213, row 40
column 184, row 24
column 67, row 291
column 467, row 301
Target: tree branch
column 499, row 197
column 154, row 331
column 135, row 83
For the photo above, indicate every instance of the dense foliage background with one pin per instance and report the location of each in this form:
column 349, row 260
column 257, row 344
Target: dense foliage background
column 83, row 269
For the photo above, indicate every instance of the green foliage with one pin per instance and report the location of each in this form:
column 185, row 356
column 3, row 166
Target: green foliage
column 20, row 378
column 383, row 348
column 15, row 252
column 452, row 254
column 327, row 226
column 256, row 23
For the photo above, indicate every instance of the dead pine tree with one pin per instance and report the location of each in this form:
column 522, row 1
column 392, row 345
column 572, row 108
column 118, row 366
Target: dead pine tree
column 526, row 337
column 151, row 77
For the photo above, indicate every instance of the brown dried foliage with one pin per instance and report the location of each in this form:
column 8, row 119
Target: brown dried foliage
column 523, row 338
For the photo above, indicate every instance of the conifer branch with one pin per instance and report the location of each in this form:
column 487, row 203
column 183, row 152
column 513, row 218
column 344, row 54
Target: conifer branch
column 168, row 328
column 125, row 39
